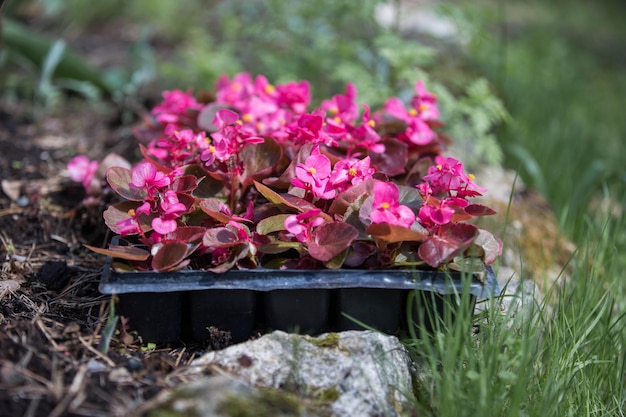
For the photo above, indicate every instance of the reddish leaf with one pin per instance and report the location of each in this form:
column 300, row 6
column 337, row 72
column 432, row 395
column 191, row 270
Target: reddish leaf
column 129, row 253
column 208, row 187
column 237, row 253
column 479, row 210
column 393, row 160
column 169, row 256
column 160, row 165
column 220, row 237
column 121, row 211
column 212, row 207
column 185, row 183
column 330, row 239
column 392, row 233
column 259, row 160
column 465, row 232
column 435, row 250
column 188, row 234
column 454, row 238
column 290, row 172
column 343, row 200
column 119, row 179
column 492, row 248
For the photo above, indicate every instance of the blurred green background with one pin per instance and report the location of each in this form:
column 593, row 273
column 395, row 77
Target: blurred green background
column 537, row 86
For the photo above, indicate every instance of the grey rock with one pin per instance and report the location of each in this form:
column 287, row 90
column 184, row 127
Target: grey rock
column 354, row 373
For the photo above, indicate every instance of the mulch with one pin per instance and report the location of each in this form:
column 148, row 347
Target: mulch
column 56, row 356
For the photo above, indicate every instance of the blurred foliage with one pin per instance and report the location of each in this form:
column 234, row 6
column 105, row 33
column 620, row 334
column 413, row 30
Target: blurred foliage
column 559, row 67
column 328, row 42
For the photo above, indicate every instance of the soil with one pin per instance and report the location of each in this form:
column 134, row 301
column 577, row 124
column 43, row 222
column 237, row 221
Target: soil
column 55, row 356
column 52, row 317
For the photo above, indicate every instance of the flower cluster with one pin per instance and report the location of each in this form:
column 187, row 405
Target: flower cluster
column 257, row 179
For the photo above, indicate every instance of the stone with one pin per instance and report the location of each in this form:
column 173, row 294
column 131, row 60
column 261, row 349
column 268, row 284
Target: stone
column 353, row 373
column 223, row 396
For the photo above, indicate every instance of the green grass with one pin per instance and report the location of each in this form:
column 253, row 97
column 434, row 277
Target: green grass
column 563, row 359
column 558, row 67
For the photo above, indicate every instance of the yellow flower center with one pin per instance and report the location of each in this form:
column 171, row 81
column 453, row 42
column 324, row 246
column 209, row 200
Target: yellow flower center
column 423, row 107
column 334, row 110
column 337, row 119
column 352, row 171
column 385, row 205
column 131, row 212
column 371, row 123
column 413, row 112
column 260, row 126
column 471, row 177
column 247, row 117
column 312, row 170
column 212, row 148
column 236, row 86
column 269, row 89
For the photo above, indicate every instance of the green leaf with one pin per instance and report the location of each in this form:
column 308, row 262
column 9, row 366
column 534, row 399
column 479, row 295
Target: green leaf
column 288, row 200
column 279, row 246
column 272, row 224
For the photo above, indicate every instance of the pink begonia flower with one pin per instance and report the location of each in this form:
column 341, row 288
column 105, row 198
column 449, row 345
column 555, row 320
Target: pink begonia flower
column 423, row 109
column 314, row 175
column 431, row 215
column 231, row 138
column 387, row 208
column 294, row 95
column 342, row 108
column 145, row 175
column 164, row 225
column 175, row 106
column 310, row 129
column 208, row 155
column 235, row 92
column 172, row 209
column 348, row 172
column 129, row 226
column 449, row 175
column 365, row 136
column 425, row 103
column 145, row 208
column 83, row 170
column 301, row 225
column 418, row 132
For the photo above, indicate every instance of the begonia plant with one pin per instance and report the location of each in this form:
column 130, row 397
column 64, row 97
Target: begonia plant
column 255, row 178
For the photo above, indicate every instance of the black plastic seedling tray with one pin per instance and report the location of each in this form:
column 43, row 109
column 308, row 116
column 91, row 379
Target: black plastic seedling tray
column 181, row 306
